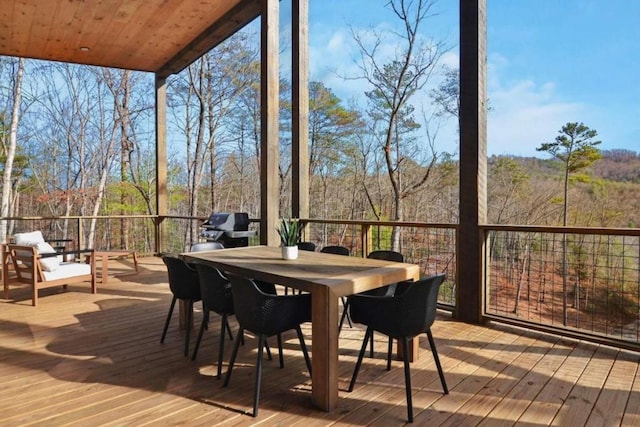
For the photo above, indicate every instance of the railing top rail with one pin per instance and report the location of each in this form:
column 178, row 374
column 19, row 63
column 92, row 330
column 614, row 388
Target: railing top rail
column 384, row 223
column 53, row 218
column 496, row 227
column 561, row 229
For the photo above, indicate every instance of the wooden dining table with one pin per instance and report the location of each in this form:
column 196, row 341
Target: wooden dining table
column 327, row 277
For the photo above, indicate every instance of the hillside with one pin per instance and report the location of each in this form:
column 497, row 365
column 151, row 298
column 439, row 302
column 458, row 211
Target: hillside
column 619, row 166
column 528, row 190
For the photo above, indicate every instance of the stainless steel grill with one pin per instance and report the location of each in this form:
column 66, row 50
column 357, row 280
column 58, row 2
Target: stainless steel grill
column 230, row 229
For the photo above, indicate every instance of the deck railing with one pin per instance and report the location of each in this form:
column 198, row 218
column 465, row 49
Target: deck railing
column 580, row 282
column 431, row 246
column 584, row 282
column 131, row 232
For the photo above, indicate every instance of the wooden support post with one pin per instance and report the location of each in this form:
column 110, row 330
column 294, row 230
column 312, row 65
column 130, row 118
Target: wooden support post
column 473, row 158
column 300, row 110
column 269, row 129
column 161, row 157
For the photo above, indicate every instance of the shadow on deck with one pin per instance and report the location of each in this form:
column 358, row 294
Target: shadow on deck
column 85, row 359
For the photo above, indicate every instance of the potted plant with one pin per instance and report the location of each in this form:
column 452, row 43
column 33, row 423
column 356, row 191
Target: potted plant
column 290, row 234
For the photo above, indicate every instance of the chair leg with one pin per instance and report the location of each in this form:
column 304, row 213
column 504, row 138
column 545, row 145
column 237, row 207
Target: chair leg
column 345, row 313
column 280, row 356
column 407, row 378
column 166, row 324
column 224, row 325
column 304, row 348
column 371, row 348
column 188, row 327
column 432, row 344
column 205, row 320
column 367, row 335
column 256, row 391
column 389, row 351
column 234, row 353
column 225, row 319
column 268, row 350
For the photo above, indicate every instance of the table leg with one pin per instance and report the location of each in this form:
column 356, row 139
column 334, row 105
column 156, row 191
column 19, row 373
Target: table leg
column 183, row 313
column 414, row 350
column 324, row 378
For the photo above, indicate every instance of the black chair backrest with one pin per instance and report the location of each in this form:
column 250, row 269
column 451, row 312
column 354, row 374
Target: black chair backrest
column 307, row 246
column 394, row 256
column 248, row 301
column 338, row 250
column 267, row 314
column 183, row 280
column 416, row 307
column 387, row 255
column 206, row 246
column 215, row 289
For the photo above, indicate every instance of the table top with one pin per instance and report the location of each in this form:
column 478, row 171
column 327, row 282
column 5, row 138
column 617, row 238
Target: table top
column 344, row 275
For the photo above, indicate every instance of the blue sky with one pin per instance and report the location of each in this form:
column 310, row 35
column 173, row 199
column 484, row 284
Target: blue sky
column 549, row 62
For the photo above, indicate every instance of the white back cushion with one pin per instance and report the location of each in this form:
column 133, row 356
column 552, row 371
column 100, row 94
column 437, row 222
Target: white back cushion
column 28, row 239
column 47, row 263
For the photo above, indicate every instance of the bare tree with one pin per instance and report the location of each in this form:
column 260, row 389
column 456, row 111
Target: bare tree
column 394, row 84
column 203, row 97
column 64, row 139
column 10, row 150
column 331, row 131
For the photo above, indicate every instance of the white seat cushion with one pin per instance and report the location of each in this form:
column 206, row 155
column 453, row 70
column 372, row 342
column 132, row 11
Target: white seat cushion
column 67, row 269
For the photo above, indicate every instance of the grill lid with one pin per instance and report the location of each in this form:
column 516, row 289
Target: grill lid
column 237, row 221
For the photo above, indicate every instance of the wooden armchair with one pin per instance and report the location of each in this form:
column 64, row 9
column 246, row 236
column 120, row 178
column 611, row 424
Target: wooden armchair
column 35, row 269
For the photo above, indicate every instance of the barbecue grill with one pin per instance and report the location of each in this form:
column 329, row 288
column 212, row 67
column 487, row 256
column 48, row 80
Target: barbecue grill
column 230, row 229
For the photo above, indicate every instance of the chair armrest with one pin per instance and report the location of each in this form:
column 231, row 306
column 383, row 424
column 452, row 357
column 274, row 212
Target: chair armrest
column 376, row 311
column 371, row 302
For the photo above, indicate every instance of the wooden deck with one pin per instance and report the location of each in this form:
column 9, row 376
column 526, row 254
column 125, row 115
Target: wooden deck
column 95, row 360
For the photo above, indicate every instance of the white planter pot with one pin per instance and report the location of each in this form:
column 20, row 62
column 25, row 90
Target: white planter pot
column 289, row 252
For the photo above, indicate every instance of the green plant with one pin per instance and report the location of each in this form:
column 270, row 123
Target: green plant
column 290, row 232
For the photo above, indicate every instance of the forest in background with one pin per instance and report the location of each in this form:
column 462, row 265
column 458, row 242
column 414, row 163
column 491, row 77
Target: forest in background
column 86, row 148
column 83, row 144
column 79, row 140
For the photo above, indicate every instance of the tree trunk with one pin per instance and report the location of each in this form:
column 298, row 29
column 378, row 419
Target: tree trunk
column 11, row 151
column 123, row 113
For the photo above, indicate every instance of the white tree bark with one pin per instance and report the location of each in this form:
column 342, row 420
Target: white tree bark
column 11, row 151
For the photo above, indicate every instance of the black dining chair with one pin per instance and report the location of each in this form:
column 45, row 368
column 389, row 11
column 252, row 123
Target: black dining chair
column 401, row 317
column 185, row 286
column 335, row 249
column 386, row 255
column 303, row 246
column 216, row 294
column 206, row 246
column 266, row 315
column 307, row 246
column 340, row 250
column 388, row 290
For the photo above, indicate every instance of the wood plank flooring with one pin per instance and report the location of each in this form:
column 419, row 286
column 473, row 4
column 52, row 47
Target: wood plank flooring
column 80, row 359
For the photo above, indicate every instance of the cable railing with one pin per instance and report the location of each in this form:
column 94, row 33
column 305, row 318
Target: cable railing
column 574, row 281
column 131, row 232
column 431, row 246
column 584, row 282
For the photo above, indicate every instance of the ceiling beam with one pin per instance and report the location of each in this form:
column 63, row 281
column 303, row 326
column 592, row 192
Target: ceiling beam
column 234, row 20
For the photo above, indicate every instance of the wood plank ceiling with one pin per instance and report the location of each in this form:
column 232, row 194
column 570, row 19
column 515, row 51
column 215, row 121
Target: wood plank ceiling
column 146, row 35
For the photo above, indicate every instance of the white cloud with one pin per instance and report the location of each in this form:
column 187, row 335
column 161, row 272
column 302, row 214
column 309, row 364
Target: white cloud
column 451, row 59
column 524, row 114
